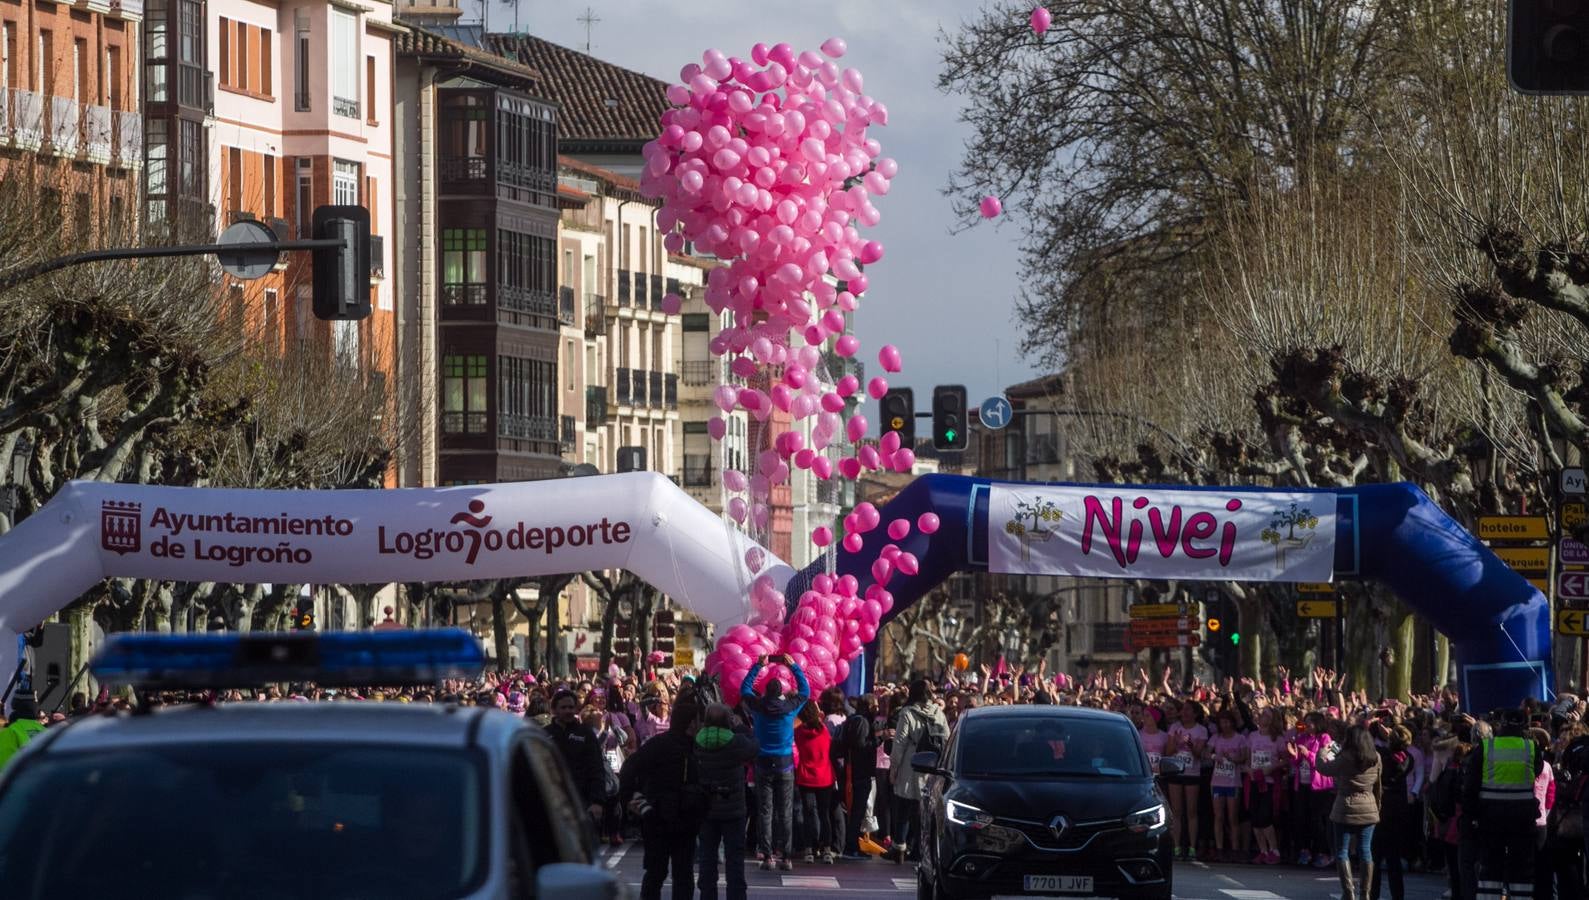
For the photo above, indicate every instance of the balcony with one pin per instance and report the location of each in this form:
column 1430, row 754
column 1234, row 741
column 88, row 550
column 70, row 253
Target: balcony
column 377, row 256
column 654, row 389
column 595, row 406
column 528, row 428
column 464, row 168
column 345, row 107
column 65, row 126
column 127, row 9
column 196, row 88
column 463, row 294
column 673, row 287
column 528, row 306
column 595, row 315
column 463, row 422
column 565, row 305
column 566, row 430
column 623, row 394
column 641, row 291
column 700, row 372
column 656, row 292
column 127, row 140
column 670, row 390
column 697, row 470
column 624, row 287
column 25, row 122
column 97, row 134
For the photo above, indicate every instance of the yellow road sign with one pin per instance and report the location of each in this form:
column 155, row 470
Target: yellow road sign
column 1156, row 611
column 683, row 657
column 1316, row 609
column 1315, row 587
column 1572, row 622
column 1526, row 559
column 1540, row 584
column 1573, row 514
column 1514, row 528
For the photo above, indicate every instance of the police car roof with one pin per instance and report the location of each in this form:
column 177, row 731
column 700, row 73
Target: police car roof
column 405, row 724
column 1040, row 711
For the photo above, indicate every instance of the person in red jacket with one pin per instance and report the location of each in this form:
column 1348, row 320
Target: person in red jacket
column 814, row 779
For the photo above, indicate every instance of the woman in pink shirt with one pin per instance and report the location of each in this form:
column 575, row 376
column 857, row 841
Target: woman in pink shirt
column 1188, row 740
column 1154, row 739
column 1314, row 793
column 1228, row 751
column 1266, row 766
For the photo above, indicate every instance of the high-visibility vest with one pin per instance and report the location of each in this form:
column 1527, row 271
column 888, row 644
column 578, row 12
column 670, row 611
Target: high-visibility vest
column 1508, row 769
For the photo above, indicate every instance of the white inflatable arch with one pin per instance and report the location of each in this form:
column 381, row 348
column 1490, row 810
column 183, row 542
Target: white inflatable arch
column 637, row 521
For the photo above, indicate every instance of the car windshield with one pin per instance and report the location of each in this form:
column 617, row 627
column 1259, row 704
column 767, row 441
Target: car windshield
column 1048, row 746
column 244, row 822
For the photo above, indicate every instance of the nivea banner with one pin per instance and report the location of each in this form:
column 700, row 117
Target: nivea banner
column 1143, row 532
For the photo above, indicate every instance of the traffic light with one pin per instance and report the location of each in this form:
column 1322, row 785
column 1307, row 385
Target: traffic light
column 303, row 618
column 1213, row 625
column 342, row 274
column 1547, row 46
column 631, row 459
column 897, row 413
column 949, row 418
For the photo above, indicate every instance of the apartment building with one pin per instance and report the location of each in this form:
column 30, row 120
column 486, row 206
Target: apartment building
column 70, row 91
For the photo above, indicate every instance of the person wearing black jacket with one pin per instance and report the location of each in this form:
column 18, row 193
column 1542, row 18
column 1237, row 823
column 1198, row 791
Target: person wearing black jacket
column 661, row 786
column 1395, row 810
column 858, row 742
column 723, row 748
column 581, row 750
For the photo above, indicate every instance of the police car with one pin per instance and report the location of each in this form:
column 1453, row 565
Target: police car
column 295, row 801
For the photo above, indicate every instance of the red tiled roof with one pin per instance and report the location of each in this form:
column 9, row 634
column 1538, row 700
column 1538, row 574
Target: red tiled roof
column 598, row 173
column 412, row 40
column 582, row 85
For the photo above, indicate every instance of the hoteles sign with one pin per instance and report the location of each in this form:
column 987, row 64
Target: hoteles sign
column 1130, row 532
column 638, row 521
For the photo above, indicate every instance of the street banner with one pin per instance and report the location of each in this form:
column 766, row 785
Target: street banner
column 1104, row 532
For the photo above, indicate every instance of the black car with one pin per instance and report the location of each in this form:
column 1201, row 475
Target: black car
column 1042, row 800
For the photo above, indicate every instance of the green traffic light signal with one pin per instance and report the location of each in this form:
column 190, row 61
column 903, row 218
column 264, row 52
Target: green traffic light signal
column 1235, row 637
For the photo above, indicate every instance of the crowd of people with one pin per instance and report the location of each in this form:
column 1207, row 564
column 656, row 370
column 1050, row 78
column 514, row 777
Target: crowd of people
column 1302, row 770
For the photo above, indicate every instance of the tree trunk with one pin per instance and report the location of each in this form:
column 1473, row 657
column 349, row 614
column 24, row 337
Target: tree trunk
column 556, row 660
column 609, row 624
column 1442, row 659
column 499, row 627
column 1403, row 643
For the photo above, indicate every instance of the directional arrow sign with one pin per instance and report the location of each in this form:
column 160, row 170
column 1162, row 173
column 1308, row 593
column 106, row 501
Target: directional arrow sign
column 1573, row 622
column 1573, row 552
column 1573, row 481
column 1166, row 640
column 1160, row 626
column 1572, row 585
column 1156, row 611
column 1316, row 609
column 1526, row 559
column 1311, row 587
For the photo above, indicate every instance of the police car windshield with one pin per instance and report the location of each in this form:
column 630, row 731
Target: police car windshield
column 255, row 822
column 1048, row 746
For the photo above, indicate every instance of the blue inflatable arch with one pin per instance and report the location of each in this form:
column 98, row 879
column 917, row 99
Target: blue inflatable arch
column 1498, row 623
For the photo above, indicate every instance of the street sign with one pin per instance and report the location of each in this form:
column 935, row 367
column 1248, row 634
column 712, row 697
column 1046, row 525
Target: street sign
column 1156, row 610
column 1526, row 559
column 1540, row 584
column 1315, row 587
column 683, row 657
column 1573, row 482
column 1572, row 621
column 995, row 413
column 1573, row 553
column 1316, row 609
column 1573, row 514
column 1157, row 626
column 1514, row 528
column 1165, row 640
column 1572, row 585
column 247, row 265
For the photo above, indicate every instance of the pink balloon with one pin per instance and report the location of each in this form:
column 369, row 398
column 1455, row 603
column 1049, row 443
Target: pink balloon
column 834, row 47
column 822, row 536
column 1041, row 20
column 990, row 206
column 847, row 386
column 904, row 459
column 927, row 523
column 671, row 304
column 716, row 427
column 907, row 564
column 846, row 345
column 853, row 543
column 734, row 480
column 868, row 457
column 889, row 552
column 850, row 467
column 726, row 396
column 889, row 445
column 899, row 529
column 867, row 516
column 855, row 428
column 888, row 358
column 877, row 387
column 822, row 467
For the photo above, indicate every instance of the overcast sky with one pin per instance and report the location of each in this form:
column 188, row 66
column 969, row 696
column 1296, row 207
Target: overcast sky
column 946, row 300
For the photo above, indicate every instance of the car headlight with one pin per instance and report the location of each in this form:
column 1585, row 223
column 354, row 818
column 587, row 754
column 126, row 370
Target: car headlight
column 1147, row 819
column 967, row 815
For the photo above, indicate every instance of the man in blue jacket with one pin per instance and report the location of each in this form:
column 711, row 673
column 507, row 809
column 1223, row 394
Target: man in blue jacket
column 773, row 720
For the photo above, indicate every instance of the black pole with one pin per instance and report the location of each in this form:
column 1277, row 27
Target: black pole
column 30, row 272
column 68, row 692
column 1340, row 632
column 12, row 684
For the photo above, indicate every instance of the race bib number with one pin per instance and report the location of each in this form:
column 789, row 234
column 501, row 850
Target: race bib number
column 614, row 760
column 1305, row 770
column 1262, row 760
column 1224, row 768
column 1153, row 761
column 1186, row 759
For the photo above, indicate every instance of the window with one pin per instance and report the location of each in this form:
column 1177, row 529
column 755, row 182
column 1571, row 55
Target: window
column 155, row 139
column 270, row 187
column 526, row 387
column 344, row 54
column 79, row 70
column 113, row 84
column 345, row 183
column 241, row 78
column 8, row 55
column 300, row 100
column 697, row 455
column 305, row 197
column 234, row 180
column 46, row 80
column 192, row 27
column 463, row 387
column 272, row 315
column 369, row 89
column 463, row 265
column 234, row 308
column 345, row 341
column 192, row 150
column 225, row 60
column 526, row 260
column 265, row 62
column 155, row 50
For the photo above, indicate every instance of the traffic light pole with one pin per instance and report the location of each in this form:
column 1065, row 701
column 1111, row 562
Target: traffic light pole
column 30, row 272
column 1185, row 450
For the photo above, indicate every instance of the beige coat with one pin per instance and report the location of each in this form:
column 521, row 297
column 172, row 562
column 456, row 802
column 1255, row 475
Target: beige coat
column 1356, row 790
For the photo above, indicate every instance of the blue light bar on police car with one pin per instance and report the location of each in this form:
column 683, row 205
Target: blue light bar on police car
column 345, row 658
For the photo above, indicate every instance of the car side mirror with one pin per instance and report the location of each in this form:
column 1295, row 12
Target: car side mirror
column 1171, row 767
column 573, row 881
column 926, row 763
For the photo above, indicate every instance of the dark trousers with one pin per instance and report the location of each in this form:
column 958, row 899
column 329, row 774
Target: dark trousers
column 1310, row 822
column 668, row 845
column 774, row 808
column 816, row 817
column 883, row 802
column 1389, row 847
column 1453, row 860
column 1560, row 870
column 729, row 834
column 1506, row 863
column 860, row 788
column 907, row 822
